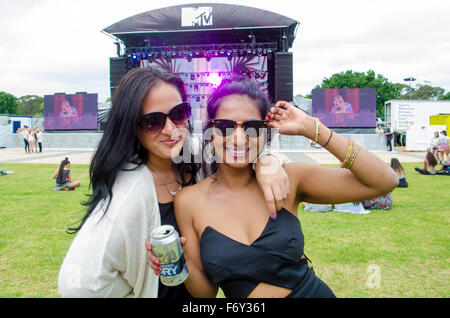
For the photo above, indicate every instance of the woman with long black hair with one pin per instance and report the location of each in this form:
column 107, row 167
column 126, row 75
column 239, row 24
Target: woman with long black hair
column 63, row 176
column 134, row 179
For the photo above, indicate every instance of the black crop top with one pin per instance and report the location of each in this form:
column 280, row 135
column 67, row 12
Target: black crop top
column 275, row 257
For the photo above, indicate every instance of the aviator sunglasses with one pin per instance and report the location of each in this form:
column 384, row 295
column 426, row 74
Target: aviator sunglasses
column 226, row 127
column 155, row 122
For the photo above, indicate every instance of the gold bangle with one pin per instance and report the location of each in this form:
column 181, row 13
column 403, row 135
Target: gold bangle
column 349, row 152
column 317, row 132
column 353, row 156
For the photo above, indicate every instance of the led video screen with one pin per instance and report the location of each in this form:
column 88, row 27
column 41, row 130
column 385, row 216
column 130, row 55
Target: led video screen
column 348, row 107
column 70, row 112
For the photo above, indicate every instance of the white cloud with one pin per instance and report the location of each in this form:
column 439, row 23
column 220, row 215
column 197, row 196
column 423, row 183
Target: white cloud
column 52, row 46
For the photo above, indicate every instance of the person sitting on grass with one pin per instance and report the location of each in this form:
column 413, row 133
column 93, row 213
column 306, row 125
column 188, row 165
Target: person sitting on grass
column 398, row 168
column 383, row 202
column 63, row 177
column 445, row 169
column 3, row 172
column 429, row 164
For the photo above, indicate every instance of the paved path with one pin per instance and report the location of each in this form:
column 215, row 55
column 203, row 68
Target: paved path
column 84, row 157
column 49, row 156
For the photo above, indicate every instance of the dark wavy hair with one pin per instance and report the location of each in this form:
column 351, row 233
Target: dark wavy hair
column 236, row 86
column 120, row 144
column 59, row 177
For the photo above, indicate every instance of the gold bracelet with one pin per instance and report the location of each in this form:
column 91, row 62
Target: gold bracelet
column 317, row 132
column 349, row 152
column 353, row 156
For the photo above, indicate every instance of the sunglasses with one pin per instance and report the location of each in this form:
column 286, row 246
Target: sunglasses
column 155, row 122
column 226, row 127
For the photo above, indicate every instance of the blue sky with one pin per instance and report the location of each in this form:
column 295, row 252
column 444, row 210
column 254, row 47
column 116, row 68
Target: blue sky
column 49, row 46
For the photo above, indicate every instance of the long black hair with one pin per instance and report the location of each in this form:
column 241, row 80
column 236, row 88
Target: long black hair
column 236, row 86
column 120, row 144
column 59, row 179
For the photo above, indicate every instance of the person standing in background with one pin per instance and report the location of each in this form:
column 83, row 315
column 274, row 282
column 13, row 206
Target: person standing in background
column 389, row 134
column 31, row 140
column 443, row 150
column 40, row 138
column 25, row 140
column 379, row 131
column 434, row 145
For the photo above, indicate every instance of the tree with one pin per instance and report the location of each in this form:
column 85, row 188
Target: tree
column 424, row 92
column 8, row 104
column 445, row 96
column 30, row 105
column 349, row 79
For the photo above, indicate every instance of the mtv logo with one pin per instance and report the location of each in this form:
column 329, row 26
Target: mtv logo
column 196, row 17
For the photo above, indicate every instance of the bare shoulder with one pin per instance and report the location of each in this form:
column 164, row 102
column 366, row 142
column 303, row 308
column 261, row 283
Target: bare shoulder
column 191, row 196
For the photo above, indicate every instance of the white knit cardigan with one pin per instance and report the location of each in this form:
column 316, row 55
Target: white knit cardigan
column 108, row 258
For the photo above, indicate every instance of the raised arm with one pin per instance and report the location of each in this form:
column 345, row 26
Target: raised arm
column 367, row 176
column 198, row 283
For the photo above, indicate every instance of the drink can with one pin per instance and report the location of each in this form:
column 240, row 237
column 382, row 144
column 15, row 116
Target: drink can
column 167, row 247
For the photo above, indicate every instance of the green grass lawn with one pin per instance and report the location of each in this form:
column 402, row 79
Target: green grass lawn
column 405, row 250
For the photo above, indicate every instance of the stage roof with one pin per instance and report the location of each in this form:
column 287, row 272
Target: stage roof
column 220, row 18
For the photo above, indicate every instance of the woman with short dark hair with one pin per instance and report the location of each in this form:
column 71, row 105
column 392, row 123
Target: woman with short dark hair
column 232, row 242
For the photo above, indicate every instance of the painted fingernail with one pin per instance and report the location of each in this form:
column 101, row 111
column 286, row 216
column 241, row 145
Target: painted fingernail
column 155, row 261
column 158, row 268
column 274, row 216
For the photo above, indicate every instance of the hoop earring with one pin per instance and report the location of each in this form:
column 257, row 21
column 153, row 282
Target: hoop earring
column 210, row 153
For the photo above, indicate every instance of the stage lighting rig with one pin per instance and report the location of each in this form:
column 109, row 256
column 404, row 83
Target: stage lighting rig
column 189, row 52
